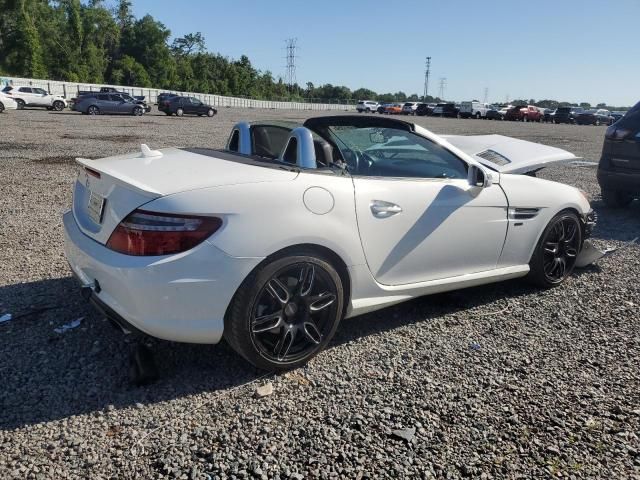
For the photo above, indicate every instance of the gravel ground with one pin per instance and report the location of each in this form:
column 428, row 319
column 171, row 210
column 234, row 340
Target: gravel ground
column 501, row 381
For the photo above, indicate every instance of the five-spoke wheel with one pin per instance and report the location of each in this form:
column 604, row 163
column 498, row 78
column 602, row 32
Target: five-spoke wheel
column 286, row 312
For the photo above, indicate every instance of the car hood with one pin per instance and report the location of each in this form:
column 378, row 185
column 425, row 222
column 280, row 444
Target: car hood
column 509, row 155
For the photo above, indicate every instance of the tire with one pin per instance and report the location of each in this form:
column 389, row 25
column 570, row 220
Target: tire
column 557, row 250
column 93, row 110
column 20, row 103
column 368, row 110
column 137, row 112
column 210, row 113
column 597, row 122
column 1, row 107
column 478, row 116
column 615, row 198
column 180, row 112
column 58, row 106
column 269, row 318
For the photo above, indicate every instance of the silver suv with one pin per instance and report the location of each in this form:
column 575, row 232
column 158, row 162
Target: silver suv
column 34, row 97
column 367, row 106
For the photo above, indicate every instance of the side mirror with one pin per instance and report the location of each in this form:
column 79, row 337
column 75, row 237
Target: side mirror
column 477, row 177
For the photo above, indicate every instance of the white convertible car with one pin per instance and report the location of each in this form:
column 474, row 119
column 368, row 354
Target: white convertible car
column 272, row 241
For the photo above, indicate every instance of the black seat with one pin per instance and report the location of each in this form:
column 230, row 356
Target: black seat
column 324, row 153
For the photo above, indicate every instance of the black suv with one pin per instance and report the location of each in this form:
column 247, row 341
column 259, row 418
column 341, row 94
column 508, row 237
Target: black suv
column 619, row 168
column 567, row 114
column 186, row 106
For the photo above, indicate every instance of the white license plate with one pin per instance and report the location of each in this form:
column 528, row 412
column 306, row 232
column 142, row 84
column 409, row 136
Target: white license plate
column 95, row 207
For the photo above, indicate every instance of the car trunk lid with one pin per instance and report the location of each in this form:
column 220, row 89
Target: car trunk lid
column 108, row 189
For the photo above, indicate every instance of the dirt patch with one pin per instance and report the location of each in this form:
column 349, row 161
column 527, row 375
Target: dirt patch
column 56, row 160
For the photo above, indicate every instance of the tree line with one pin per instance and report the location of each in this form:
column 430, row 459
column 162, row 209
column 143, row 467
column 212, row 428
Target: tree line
column 88, row 42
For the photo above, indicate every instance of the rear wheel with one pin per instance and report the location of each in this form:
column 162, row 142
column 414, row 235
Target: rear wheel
column 210, row 113
column 20, row 103
column 478, row 116
column 556, row 253
column 58, row 106
column 93, row 110
column 286, row 312
column 615, row 198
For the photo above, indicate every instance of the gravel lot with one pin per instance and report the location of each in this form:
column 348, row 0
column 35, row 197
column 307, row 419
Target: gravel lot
column 502, row 381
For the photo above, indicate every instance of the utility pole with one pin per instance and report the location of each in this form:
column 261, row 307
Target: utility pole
column 443, row 84
column 426, row 79
column 486, row 94
column 291, row 62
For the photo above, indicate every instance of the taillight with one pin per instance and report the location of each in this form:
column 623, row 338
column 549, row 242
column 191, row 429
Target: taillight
column 152, row 233
column 617, row 133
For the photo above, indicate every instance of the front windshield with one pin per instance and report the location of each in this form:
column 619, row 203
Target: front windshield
column 391, row 152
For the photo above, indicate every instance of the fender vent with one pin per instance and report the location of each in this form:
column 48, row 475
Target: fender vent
column 494, row 157
column 523, row 213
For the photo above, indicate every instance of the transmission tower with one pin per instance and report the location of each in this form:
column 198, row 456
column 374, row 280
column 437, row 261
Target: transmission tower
column 426, row 78
column 443, row 85
column 291, row 61
column 486, row 94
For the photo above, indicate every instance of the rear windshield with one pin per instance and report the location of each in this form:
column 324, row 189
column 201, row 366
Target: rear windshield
column 408, row 104
column 7, row 88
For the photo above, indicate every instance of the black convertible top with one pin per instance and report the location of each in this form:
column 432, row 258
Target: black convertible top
column 358, row 121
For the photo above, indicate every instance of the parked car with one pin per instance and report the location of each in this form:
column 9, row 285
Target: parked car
column 445, row 110
column 493, row 113
column 548, row 114
column 567, row 114
column 7, row 103
column 473, row 109
column 162, row 97
column 514, row 113
column 382, row 107
column 531, row 113
column 393, row 108
column 180, row 243
column 367, row 106
column 410, row 108
column 186, row 106
column 503, row 111
column 619, row 167
column 617, row 115
column 595, row 117
column 34, row 97
column 108, row 103
column 425, row 109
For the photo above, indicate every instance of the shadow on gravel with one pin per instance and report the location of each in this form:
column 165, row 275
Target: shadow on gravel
column 620, row 224
column 48, row 376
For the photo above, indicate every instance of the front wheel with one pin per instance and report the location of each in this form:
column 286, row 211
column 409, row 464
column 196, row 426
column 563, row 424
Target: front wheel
column 180, row 112
column 58, row 106
column 1, row 107
column 137, row 111
column 286, row 312
column 210, row 113
column 555, row 255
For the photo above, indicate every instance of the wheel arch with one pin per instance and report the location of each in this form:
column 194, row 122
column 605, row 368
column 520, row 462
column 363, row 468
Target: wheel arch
column 568, row 209
column 311, row 249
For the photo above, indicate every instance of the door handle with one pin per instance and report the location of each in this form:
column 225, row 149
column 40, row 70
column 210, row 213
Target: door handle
column 382, row 209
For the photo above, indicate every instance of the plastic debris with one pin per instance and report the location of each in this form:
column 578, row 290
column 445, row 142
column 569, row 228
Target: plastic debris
column 6, row 317
column 583, row 163
column 474, row 346
column 406, row 434
column 264, row 390
column 591, row 254
column 69, row 326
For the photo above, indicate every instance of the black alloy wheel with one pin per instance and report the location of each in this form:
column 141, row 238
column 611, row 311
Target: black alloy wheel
column 93, row 110
column 285, row 313
column 557, row 251
column 58, row 106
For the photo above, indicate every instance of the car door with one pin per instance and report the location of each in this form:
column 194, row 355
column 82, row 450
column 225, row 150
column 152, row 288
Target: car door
column 420, row 219
column 196, row 105
column 119, row 104
column 26, row 94
column 39, row 97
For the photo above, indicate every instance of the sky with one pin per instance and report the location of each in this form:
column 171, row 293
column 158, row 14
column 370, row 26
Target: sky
column 570, row 50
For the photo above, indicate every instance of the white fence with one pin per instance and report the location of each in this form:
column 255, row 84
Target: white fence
column 70, row 90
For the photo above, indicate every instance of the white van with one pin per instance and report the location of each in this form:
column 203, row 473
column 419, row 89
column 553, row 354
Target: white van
column 473, row 109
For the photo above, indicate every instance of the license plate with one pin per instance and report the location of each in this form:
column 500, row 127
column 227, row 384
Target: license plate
column 95, row 207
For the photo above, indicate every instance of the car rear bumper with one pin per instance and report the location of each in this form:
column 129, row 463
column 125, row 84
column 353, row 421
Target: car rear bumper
column 182, row 297
column 628, row 182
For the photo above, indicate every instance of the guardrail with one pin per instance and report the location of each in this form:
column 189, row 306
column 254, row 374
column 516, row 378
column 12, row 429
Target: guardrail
column 70, row 90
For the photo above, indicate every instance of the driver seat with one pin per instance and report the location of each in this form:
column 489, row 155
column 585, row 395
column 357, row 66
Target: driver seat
column 324, row 153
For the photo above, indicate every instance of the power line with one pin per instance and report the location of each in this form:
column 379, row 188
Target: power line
column 291, row 61
column 486, row 94
column 443, row 85
column 426, row 78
